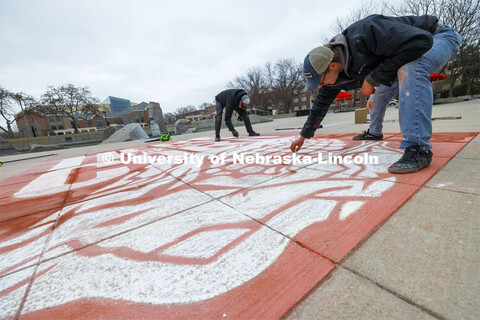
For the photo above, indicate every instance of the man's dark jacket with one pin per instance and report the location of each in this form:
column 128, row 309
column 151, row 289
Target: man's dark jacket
column 378, row 46
column 230, row 99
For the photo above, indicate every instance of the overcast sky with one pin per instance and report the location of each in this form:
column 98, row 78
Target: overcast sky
column 174, row 52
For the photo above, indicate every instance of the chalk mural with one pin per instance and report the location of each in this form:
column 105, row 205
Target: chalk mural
column 167, row 234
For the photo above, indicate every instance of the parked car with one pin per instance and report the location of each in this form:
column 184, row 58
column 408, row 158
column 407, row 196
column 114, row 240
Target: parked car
column 393, row 103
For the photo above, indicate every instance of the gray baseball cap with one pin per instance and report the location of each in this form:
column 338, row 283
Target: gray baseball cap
column 315, row 63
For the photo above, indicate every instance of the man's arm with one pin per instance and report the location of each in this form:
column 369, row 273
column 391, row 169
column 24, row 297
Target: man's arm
column 320, row 107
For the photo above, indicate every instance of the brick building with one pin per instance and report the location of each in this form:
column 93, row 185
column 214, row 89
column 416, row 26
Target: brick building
column 39, row 123
column 304, row 101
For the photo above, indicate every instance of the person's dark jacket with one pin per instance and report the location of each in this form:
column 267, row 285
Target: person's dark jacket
column 378, row 46
column 230, row 100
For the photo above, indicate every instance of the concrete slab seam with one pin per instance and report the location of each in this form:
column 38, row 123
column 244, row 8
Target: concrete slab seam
column 396, row 294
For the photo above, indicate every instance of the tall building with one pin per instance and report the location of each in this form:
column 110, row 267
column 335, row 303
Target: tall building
column 117, row 105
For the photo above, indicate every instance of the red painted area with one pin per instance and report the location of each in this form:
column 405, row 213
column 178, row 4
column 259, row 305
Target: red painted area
column 270, row 294
column 15, row 228
column 335, row 238
column 15, row 208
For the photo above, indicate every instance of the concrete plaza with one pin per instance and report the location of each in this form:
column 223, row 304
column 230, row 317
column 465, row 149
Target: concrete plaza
column 85, row 239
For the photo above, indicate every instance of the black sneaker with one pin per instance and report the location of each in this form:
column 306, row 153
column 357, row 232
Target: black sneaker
column 366, row 135
column 412, row 160
column 253, row 134
column 217, row 138
column 235, row 133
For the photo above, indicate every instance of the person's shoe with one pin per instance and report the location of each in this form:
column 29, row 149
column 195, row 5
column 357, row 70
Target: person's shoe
column 366, row 135
column 253, row 134
column 235, row 133
column 412, row 160
column 217, row 138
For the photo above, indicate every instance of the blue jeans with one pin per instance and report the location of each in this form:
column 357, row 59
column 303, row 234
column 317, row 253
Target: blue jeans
column 415, row 91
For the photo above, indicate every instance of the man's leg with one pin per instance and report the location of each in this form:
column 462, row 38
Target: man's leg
column 248, row 124
column 218, row 120
column 416, row 100
column 228, row 123
column 377, row 106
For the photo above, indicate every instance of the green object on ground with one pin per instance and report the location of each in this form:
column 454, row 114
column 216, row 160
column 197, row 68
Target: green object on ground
column 165, row 137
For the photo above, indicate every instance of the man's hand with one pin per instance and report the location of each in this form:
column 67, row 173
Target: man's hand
column 297, row 144
column 367, row 88
column 369, row 103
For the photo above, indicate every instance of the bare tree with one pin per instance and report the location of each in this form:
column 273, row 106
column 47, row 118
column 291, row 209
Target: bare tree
column 25, row 106
column 70, row 101
column 472, row 73
column 366, row 8
column 274, row 83
column 286, row 80
column 183, row 112
column 204, row 105
column 169, row 118
column 463, row 16
column 6, row 111
column 255, row 83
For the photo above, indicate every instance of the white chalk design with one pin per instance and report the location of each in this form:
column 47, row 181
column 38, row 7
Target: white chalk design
column 155, row 234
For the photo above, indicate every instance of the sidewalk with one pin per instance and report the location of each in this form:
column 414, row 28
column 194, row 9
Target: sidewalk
column 82, row 239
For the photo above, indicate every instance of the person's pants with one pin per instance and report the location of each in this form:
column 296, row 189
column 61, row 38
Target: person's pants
column 218, row 119
column 378, row 104
column 415, row 91
column 228, row 120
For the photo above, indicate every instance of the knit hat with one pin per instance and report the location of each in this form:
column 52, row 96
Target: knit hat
column 245, row 100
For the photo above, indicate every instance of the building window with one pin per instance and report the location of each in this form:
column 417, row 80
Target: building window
column 304, row 107
column 357, row 100
column 367, row 98
column 53, row 125
column 142, row 117
column 60, row 123
column 137, row 117
column 304, row 98
column 99, row 123
column 89, row 123
column 295, row 100
column 344, row 102
column 296, row 108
